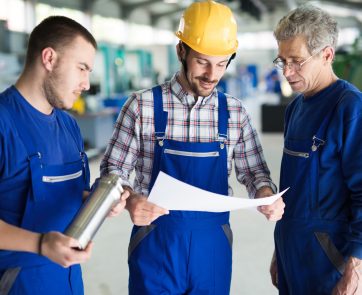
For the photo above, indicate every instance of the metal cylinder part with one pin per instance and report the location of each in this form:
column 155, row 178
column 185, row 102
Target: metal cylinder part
column 95, row 209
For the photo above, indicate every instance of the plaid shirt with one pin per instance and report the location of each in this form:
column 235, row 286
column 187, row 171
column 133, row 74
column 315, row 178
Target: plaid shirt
column 132, row 144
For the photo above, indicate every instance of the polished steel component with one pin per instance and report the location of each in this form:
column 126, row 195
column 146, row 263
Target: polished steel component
column 95, row 209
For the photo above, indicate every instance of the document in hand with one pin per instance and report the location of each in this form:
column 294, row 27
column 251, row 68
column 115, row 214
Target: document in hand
column 172, row 194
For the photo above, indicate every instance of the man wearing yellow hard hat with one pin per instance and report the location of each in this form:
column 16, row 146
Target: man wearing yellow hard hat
column 189, row 130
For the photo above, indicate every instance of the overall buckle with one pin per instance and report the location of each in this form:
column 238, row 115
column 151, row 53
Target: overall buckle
column 222, row 138
column 317, row 142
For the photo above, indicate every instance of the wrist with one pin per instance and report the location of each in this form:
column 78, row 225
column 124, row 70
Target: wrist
column 40, row 244
column 264, row 191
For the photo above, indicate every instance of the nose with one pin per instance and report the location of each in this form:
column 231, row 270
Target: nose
column 85, row 84
column 210, row 73
column 287, row 71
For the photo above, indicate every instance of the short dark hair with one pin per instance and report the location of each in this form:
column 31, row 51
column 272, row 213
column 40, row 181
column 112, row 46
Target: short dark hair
column 56, row 32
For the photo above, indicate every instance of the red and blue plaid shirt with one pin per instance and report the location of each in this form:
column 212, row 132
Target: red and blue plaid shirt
column 132, row 144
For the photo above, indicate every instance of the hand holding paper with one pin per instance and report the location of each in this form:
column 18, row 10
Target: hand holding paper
column 173, row 194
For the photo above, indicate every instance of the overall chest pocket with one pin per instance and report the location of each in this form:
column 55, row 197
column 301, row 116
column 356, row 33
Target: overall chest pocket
column 299, row 172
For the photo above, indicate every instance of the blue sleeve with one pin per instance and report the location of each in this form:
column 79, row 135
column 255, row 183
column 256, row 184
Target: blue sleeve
column 351, row 162
column 2, row 145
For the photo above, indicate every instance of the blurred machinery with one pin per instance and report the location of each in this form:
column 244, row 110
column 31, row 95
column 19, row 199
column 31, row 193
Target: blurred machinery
column 348, row 63
column 117, row 72
column 124, row 70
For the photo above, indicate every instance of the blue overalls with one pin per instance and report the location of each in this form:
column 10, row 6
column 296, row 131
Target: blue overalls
column 53, row 199
column 185, row 252
column 310, row 249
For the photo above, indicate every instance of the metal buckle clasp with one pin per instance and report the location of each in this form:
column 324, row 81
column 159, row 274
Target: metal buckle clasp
column 317, row 142
column 222, row 138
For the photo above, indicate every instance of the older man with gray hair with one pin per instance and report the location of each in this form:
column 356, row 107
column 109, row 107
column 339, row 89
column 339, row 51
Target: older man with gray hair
column 319, row 240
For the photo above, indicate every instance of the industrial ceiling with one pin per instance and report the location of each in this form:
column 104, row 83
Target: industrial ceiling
column 251, row 14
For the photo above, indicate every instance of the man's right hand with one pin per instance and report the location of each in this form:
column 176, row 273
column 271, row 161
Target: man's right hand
column 274, row 270
column 63, row 250
column 143, row 212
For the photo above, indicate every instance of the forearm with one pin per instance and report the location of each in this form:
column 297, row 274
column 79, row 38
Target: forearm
column 122, row 151
column 250, row 165
column 18, row 239
column 264, row 191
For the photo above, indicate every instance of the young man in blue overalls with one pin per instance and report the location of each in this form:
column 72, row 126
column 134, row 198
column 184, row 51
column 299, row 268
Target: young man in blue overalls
column 319, row 240
column 44, row 173
column 189, row 130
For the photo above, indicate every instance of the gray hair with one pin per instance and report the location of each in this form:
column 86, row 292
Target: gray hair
column 316, row 25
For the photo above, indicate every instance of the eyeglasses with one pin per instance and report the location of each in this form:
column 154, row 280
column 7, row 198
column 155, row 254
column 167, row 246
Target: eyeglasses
column 294, row 66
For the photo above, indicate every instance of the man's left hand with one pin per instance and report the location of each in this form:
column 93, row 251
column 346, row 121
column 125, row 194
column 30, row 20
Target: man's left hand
column 274, row 211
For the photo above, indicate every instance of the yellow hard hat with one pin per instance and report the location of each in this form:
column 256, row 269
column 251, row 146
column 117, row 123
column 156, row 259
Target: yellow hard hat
column 209, row 28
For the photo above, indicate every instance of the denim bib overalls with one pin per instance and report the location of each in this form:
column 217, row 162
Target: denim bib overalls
column 185, row 252
column 309, row 247
column 54, row 197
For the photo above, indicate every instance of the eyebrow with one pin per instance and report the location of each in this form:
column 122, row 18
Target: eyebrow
column 87, row 67
column 290, row 57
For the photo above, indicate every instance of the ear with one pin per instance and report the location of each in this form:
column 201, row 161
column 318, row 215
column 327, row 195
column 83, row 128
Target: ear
column 180, row 50
column 48, row 58
column 328, row 54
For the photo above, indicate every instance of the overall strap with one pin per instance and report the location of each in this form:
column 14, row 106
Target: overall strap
column 23, row 132
column 160, row 116
column 68, row 124
column 160, row 122
column 34, row 157
column 223, row 116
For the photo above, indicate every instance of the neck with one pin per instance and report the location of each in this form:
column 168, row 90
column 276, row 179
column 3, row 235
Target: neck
column 30, row 85
column 328, row 80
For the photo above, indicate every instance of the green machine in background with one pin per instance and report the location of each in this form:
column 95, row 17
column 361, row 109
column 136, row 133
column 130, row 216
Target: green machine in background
column 348, row 65
column 139, row 66
column 115, row 79
column 125, row 70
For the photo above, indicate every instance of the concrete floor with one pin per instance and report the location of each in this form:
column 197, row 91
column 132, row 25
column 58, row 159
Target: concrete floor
column 107, row 271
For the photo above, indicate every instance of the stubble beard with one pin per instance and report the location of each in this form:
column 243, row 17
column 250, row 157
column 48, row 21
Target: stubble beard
column 196, row 88
column 50, row 88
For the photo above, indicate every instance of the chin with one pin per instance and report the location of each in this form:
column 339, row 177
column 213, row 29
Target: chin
column 204, row 93
column 67, row 107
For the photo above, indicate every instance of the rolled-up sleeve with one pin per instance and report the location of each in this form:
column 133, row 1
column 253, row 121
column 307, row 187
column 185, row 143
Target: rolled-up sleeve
column 123, row 149
column 250, row 166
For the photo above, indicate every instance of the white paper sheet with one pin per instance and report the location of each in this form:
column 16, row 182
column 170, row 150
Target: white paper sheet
column 172, row 194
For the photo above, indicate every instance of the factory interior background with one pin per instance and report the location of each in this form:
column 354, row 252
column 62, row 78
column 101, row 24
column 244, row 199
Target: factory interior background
column 137, row 50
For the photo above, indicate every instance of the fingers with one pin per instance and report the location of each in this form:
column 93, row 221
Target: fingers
column 125, row 195
column 275, row 280
column 64, row 250
column 117, row 208
column 143, row 212
column 274, row 271
column 145, row 217
column 154, row 209
column 273, row 212
column 120, row 205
